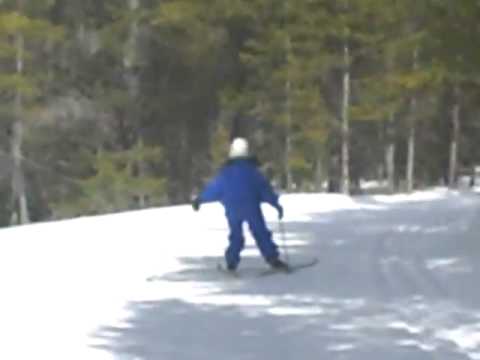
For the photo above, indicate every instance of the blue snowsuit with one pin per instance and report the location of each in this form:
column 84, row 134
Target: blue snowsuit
column 241, row 188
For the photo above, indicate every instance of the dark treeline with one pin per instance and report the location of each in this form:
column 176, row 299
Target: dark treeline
column 123, row 104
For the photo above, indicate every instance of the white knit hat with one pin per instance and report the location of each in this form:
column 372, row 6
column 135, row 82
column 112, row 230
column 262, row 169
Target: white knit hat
column 239, row 148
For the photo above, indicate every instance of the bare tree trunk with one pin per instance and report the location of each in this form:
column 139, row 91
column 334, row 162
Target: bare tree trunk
column 345, row 181
column 288, row 125
column 390, row 155
column 319, row 176
column 130, row 53
column 132, row 84
column 142, row 171
column 411, row 150
column 411, row 134
column 20, row 212
column 390, row 163
column 288, row 142
column 452, row 173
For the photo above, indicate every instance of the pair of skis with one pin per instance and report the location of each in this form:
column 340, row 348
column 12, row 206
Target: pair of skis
column 292, row 268
column 256, row 272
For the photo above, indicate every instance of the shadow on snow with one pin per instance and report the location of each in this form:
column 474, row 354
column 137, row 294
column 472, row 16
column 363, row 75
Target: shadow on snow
column 393, row 281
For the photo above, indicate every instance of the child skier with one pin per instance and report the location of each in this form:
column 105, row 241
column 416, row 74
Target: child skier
column 241, row 188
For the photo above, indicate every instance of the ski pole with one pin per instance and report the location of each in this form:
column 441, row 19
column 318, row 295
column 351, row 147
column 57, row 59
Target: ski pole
column 284, row 240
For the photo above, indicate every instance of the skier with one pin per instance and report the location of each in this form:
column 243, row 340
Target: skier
column 241, row 188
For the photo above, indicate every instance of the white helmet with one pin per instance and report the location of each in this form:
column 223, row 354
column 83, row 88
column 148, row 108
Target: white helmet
column 239, row 148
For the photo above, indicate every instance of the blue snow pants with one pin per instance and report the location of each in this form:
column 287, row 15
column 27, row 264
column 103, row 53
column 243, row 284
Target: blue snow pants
column 259, row 230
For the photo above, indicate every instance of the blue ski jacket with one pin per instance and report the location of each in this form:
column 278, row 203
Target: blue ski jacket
column 241, row 188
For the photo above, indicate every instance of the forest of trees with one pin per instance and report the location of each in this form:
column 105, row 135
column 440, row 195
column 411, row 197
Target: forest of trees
column 110, row 105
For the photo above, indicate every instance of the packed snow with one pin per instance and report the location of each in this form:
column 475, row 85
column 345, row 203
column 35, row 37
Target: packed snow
column 397, row 279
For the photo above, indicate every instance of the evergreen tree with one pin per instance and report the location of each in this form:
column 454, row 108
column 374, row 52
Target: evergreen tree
column 23, row 31
column 455, row 54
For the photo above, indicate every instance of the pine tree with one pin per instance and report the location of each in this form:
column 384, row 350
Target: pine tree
column 284, row 60
column 23, row 30
column 454, row 50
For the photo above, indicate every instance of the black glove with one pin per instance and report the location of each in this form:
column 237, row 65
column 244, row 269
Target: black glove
column 196, row 204
column 280, row 211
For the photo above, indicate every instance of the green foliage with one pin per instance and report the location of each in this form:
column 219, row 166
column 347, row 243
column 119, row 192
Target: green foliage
column 192, row 26
column 33, row 32
column 185, row 75
column 17, row 83
column 220, row 146
column 7, row 51
column 117, row 183
column 13, row 23
column 4, row 215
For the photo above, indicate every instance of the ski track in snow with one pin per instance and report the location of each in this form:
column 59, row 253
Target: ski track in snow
column 397, row 279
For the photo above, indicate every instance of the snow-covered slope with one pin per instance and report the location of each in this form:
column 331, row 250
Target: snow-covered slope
column 397, row 279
